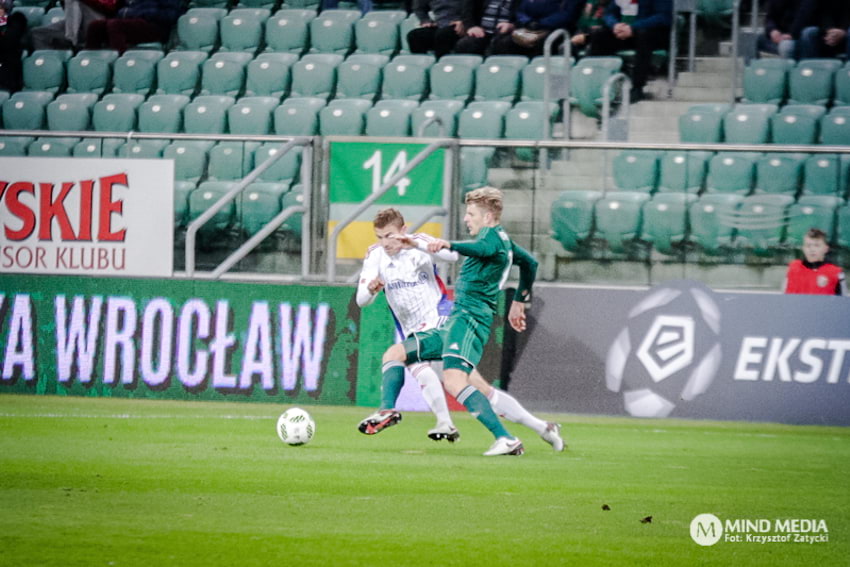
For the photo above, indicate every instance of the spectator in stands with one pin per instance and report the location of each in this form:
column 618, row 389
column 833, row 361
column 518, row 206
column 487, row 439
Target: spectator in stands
column 827, row 36
column 540, row 18
column 590, row 21
column 13, row 27
column 483, row 21
column 439, row 34
column 780, row 24
column 646, row 31
column 139, row 21
column 70, row 32
column 813, row 274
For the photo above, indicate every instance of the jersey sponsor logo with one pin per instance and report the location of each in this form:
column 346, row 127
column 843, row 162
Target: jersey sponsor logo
column 822, row 281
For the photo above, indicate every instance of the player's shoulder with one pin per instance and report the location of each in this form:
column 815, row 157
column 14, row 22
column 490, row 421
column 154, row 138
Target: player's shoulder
column 374, row 252
column 422, row 237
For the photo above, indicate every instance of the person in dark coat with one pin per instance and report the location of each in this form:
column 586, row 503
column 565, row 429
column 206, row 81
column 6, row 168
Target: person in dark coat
column 13, row 27
column 779, row 25
column 548, row 15
column 441, row 33
column 139, row 21
column 827, row 31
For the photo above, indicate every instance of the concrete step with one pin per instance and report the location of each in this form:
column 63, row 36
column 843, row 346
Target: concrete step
column 700, row 94
column 713, row 64
column 660, row 109
column 704, row 80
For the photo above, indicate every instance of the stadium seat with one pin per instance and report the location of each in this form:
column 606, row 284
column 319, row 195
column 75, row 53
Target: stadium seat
column 141, row 149
column 198, row 31
column 515, row 61
column 746, row 126
column 88, row 148
column 162, row 113
column 405, row 26
column 446, row 110
column 665, row 221
column 230, row 160
column 824, row 174
column 474, row 167
column 587, row 80
column 698, row 126
column 572, row 218
column 14, row 146
column 766, row 80
column 264, row 4
column 294, row 197
column 252, row 115
column 388, row 120
column 483, row 120
column 389, row 15
column 298, row 116
column 760, row 223
column 52, row 147
column 207, row 114
column 636, row 170
column 842, row 86
column 682, row 171
column 53, row 15
column 288, row 31
column 269, row 74
column 497, row 81
column 179, row 72
column 376, row 35
column 842, row 227
column 619, row 219
column 219, row 226
column 242, row 29
column 224, row 74
column 451, row 80
column 533, row 77
column 526, row 120
column 404, row 80
column 333, row 31
column 811, row 81
column 25, row 110
column 44, row 70
column 260, row 203
column 315, row 75
column 190, row 159
column 358, row 79
column 811, row 211
column 91, row 71
column 71, row 112
column 135, row 72
column 835, row 129
column 730, row 173
column 795, row 129
column 779, row 173
column 710, row 222
column 285, row 170
column 116, row 112
column 343, row 117
column 421, row 59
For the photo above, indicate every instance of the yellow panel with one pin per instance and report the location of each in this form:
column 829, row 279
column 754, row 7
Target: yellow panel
column 360, row 235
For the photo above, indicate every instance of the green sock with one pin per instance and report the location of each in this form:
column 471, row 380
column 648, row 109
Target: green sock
column 480, row 408
column 392, row 383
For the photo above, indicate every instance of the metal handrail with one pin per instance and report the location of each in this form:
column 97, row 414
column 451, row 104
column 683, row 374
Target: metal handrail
column 195, row 225
column 334, row 236
column 432, row 120
column 547, row 82
column 606, row 100
column 736, row 32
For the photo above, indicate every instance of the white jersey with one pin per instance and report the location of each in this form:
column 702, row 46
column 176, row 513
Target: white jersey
column 415, row 293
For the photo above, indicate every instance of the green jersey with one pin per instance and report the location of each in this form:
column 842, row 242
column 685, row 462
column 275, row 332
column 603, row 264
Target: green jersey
column 486, row 268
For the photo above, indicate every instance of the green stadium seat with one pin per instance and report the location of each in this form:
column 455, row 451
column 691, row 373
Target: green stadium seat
column 207, row 114
column 701, row 127
column 730, row 173
column 747, row 125
column 182, row 190
column 52, row 147
column 190, row 158
column 53, row 15
column 285, row 170
column 711, row 229
column 451, row 80
column 795, row 129
column 619, row 219
column 766, row 80
column 88, row 148
column 405, row 26
column 252, row 115
column 230, row 161
column 141, row 149
column 532, row 77
column 269, row 74
column 636, row 170
column 375, row 35
column 116, row 112
column 218, row 227
column 45, row 70
column 25, row 110
column 446, row 110
column 497, row 81
column 811, row 211
column 842, row 86
column 242, row 29
column 811, row 81
column 526, row 121
column 298, row 116
column 587, row 80
column 198, row 31
column 760, row 223
column 33, row 14
column 224, row 73
column 179, row 72
column 404, row 80
column 294, row 197
column 475, row 167
column 779, row 173
column 332, row 31
column 14, row 146
column 264, row 4
column 162, row 113
column 483, row 120
column 135, row 72
column 396, row 16
column 842, row 227
column 343, row 117
column 421, row 59
column 71, row 112
column 665, row 221
column 682, row 172
column 516, row 61
column 260, row 203
column 315, row 75
column 288, row 31
column 824, row 174
column 835, row 129
column 358, row 79
column 572, row 218
column 91, row 71
column 388, row 120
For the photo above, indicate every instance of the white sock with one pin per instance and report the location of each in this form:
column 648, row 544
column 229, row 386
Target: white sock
column 508, row 406
column 432, row 391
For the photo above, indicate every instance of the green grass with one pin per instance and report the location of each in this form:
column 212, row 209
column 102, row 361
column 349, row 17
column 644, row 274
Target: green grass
column 125, row 482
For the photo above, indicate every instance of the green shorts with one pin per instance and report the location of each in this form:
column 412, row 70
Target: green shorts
column 459, row 343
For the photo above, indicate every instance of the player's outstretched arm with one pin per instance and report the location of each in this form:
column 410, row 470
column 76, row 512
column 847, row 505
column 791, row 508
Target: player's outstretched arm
column 527, row 265
column 516, row 316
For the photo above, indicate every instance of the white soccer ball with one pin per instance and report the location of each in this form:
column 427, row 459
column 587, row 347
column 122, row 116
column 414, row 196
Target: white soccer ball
column 295, row 427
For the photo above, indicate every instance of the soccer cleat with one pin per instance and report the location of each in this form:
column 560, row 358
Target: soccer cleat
column 505, row 446
column 447, row 432
column 379, row 421
column 552, row 435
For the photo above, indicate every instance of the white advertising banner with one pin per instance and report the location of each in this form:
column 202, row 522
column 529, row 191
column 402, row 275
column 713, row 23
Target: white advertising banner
column 104, row 217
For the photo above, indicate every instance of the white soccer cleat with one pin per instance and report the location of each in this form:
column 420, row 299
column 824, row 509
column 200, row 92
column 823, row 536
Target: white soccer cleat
column 379, row 421
column 552, row 435
column 447, row 432
column 505, row 446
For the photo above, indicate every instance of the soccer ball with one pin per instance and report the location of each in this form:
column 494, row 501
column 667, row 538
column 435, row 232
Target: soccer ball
column 295, row 427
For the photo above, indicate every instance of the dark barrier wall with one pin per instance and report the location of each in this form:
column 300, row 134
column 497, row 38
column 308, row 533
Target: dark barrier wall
column 681, row 350
column 162, row 338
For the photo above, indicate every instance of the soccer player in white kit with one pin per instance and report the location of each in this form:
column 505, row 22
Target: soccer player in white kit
column 418, row 301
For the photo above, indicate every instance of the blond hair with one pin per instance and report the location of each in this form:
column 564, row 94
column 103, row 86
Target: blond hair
column 488, row 198
column 388, row 217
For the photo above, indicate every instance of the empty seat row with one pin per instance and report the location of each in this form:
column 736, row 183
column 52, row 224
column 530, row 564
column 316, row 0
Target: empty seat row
column 713, row 224
column 797, row 124
column 811, row 81
column 731, row 172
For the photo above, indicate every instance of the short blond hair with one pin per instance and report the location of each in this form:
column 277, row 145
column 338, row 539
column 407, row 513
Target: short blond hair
column 488, row 198
column 388, row 217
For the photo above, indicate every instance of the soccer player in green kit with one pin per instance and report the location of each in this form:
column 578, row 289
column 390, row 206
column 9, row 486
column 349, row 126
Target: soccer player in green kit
column 460, row 342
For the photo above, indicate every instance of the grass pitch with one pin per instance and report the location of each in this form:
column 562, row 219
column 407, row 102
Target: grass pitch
column 143, row 482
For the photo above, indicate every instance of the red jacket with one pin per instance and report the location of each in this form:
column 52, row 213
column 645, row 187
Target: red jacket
column 820, row 278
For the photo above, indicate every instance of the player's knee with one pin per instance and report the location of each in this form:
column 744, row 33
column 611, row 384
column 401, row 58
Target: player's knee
column 394, row 353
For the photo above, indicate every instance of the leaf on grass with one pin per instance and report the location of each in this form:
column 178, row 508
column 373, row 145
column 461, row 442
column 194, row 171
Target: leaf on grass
column 647, row 520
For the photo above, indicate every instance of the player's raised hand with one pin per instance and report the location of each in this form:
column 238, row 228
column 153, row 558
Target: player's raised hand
column 375, row 286
column 436, row 245
column 406, row 240
column 516, row 316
